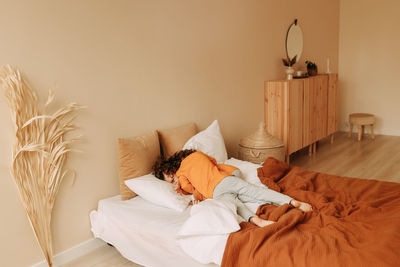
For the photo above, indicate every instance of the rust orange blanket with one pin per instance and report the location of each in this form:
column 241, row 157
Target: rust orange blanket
column 355, row 222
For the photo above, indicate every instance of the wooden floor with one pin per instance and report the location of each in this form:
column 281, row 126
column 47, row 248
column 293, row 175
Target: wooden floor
column 372, row 159
column 105, row 256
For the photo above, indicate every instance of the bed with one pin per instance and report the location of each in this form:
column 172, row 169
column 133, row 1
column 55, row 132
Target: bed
column 152, row 235
column 141, row 231
column 355, row 222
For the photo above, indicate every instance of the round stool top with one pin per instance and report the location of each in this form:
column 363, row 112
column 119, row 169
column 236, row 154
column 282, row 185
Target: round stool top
column 362, row 118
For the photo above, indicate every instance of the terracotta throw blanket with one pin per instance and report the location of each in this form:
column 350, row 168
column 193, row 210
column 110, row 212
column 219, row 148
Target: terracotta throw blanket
column 355, row 222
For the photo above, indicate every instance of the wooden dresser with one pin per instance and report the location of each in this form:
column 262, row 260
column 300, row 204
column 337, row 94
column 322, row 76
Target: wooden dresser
column 301, row 111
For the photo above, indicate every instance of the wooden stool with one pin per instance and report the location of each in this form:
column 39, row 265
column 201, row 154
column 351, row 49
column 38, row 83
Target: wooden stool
column 362, row 119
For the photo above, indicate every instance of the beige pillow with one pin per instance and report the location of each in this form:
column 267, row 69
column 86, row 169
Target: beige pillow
column 136, row 158
column 173, row 140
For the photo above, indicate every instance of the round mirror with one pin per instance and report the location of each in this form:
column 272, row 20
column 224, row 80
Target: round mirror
column 294, row 41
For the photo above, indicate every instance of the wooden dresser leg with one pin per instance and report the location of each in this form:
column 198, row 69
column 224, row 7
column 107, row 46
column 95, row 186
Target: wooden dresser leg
column 310, row 150
column 372, row 132
column 314, row 147
column 359, row 132
column 351, row 130
column 332, row 137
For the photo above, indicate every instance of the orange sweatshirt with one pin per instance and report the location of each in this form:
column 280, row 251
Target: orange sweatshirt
column 199, row 174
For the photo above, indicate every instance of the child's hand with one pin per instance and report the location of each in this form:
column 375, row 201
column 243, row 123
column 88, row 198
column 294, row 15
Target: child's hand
column 301, row 205
column 179, row 191
column 175, row 183
column 194, row 202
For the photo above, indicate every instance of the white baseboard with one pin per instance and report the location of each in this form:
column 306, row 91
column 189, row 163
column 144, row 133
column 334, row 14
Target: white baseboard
column 73, row 253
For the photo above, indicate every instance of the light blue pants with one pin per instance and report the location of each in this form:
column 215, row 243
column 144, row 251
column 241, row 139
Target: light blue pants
column 238, row 191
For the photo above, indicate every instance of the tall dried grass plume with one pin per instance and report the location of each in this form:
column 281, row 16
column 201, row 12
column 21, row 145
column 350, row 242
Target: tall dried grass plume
column 39, row 153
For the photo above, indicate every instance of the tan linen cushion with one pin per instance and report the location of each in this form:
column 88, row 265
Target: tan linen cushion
column 172, row 140
column 136, row 158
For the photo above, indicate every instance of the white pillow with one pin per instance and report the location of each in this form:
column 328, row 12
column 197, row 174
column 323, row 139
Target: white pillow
column 158, row 192
column 248, row 170
column 210, row 142
column 211, row 217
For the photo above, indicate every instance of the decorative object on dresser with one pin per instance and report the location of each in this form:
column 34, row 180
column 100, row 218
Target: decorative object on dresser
column 300, row 74
column 302, row 111
column 288, row 63
column 361, row 120
column 312, row 68
column 260, row 145
column 328, row 65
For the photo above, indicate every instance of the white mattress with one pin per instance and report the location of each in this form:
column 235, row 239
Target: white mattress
column 142, row 232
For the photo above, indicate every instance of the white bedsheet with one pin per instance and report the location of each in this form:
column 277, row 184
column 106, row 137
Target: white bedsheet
column 142, row 232
column 204, row 235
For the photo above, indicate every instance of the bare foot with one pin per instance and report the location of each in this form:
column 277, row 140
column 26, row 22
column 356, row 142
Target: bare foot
column 260, row 222
column 301, row 205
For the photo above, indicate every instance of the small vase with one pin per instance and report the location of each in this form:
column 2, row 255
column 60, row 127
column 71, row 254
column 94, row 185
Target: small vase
column 289, row 73
column 312, row 72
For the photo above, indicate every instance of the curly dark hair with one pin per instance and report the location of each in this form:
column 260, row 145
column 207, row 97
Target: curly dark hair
column 170, row 165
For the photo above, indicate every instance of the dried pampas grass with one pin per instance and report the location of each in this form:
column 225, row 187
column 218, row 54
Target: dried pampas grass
column 39, row 153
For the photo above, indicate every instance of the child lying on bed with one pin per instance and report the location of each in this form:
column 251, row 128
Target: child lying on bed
column 193, row 172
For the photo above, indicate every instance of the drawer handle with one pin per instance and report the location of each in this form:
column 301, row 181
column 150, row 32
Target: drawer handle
column 256, row 155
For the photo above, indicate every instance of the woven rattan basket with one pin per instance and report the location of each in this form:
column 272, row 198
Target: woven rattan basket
column 260, row 145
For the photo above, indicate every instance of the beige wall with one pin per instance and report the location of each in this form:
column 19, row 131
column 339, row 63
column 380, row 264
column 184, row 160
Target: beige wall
column 369, row 62
column 138, row 66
